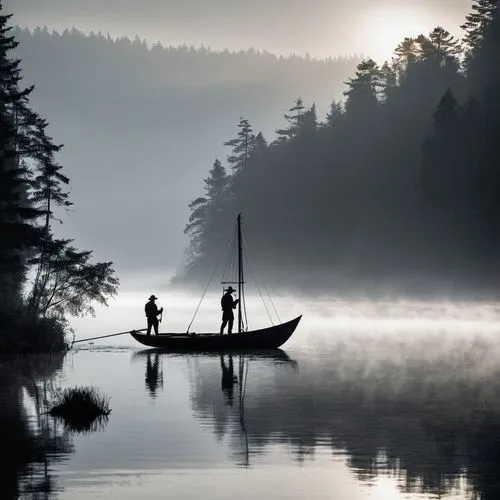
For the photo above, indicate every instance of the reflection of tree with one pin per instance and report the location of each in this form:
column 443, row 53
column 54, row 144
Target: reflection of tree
column 30, row 444
column 154, row 375
column 430, row 424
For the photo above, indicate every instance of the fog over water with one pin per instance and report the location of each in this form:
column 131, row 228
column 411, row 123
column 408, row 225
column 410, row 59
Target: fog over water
column 371, row 209
column 369, row 400
column 325, row 319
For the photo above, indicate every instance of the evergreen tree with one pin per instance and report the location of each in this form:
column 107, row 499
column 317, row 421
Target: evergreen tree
column 259, row 145
column 207, row 212
column 406, row 53
column 308, row 122
column 439, row 49
column 48, row 190
column 438, row 168
column 347, row 196
column 483, row 43
column 335, row 113
column 476, row 24
column 241, row 146
column 31, row 185
column 388, row 80
column 363, row 89
column 17, row 217
column 294, row 118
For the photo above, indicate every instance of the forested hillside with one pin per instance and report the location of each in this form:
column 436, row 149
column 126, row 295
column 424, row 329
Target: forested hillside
column 140, row 123
column 43, row 278
column 396, row 191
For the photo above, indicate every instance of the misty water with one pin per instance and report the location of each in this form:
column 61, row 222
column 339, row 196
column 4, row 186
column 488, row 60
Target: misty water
column 368, row 400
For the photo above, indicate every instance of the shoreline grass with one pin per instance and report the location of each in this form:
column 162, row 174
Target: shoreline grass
column 82, row 408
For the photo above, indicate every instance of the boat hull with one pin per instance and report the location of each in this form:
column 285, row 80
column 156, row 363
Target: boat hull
column 266, row 338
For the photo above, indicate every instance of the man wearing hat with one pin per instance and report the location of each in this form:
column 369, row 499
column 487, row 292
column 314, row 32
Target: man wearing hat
column 151, row 314
column 228, row 304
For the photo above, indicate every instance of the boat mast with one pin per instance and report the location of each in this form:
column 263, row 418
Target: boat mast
column 240, row 274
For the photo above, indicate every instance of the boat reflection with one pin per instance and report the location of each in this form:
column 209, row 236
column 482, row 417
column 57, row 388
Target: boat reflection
column 228, row 379
column 433, row 428
column 214, row 400
column 154, row 374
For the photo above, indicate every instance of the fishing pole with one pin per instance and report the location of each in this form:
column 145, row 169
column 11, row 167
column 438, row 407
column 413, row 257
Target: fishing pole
column 111, row 335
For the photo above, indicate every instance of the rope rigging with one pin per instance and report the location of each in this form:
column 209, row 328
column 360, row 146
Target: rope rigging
column 205, row 291
column 263, row 284
column 231, row 270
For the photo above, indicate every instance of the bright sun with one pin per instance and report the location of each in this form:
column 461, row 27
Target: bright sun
column 383, row 29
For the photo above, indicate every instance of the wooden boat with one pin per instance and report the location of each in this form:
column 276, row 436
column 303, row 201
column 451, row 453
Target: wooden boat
column 243, row 340
column 266, row 338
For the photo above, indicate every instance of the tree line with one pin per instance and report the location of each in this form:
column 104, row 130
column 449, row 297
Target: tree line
column 161, row 107
column 43, row 278
column 394, row 191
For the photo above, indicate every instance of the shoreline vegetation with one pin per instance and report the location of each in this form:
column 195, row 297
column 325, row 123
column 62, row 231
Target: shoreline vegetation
column 398, row 189
column 43, row 278
column 395, row 192
column 82, row 409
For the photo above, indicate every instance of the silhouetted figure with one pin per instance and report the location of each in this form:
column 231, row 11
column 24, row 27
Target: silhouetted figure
column 228, row 379
column 228, row 304
column 152, row 312
column 153, row 376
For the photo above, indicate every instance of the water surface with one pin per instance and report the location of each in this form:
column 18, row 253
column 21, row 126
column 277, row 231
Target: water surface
column 385, row 401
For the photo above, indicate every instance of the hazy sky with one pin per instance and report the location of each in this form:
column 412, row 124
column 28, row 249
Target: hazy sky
column 320, row 27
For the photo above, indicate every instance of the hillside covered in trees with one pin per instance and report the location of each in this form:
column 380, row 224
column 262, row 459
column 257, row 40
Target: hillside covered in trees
column 396, row 191
column 139, row 122
column 43, row 278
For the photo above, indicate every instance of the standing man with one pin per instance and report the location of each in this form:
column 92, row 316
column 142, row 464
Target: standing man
column 228, row 304
column 151, row 314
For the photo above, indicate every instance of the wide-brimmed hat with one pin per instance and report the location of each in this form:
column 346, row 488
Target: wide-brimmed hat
column 230, row 289
column 153, row 297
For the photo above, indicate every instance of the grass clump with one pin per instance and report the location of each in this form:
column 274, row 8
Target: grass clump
column 82, row 408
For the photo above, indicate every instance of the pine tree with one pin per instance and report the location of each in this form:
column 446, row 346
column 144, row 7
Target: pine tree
column 405, row 55
column 483, row 13
column 294, row 118
column 31, row 185
column 17, row 217
column 48, row 190
column 483, row 44
column 443, row 175
column 308, row 122
column 259, row 145
column 364, row 88
column 241, row 146
column 440, row 48
column 335, row 113
column 447, row 116
column 207, row 212
column 388, row 80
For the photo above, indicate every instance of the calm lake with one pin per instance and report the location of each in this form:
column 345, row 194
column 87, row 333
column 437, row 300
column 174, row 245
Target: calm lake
column 394, row 400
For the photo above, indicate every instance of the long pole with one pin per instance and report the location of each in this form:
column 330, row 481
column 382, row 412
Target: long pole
column 112, row 335
column 240, row 273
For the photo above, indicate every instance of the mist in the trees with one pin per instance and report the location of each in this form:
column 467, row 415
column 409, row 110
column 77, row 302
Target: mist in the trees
column 395, row 191
column 140, row 125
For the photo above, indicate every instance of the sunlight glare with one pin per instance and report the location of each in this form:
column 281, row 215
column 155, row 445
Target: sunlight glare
column 386, row 488
column 383, row 29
